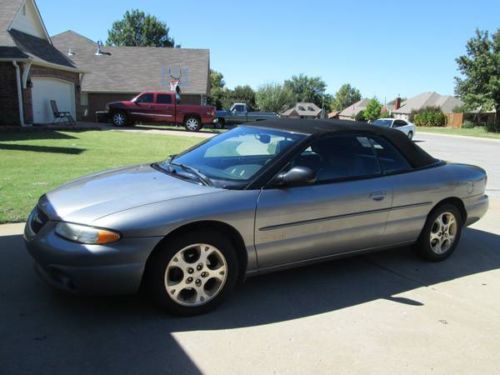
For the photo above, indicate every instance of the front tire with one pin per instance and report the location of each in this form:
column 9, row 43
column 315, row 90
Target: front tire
column 192, row 124
column 410, row 135
column 219, row 124
column 441, row 233
column 193, row 273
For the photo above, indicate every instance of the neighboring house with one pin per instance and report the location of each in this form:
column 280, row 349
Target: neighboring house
column 120, row 73
column 350, row 112
column 334, row 115
column 32, row 71
column 427, row 99
column 303, row 110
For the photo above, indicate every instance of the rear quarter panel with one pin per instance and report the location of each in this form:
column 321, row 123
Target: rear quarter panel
column 415, row 194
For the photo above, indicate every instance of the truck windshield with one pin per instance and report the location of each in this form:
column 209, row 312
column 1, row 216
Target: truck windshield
column 232, row 159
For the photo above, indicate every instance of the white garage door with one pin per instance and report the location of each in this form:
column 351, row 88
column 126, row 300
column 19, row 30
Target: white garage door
column 46, row 89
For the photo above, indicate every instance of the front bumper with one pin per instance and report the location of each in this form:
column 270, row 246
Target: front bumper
column 116, row 268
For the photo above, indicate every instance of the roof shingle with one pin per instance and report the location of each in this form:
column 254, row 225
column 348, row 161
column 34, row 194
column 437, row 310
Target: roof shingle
column 134, row 69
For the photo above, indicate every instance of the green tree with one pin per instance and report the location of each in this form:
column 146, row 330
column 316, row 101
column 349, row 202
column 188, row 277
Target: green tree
column 137, row 29
column 218, row 91
column 373, row 110
column 307, row 89
column 344, row 97
column 479, row 85
column 274, row 97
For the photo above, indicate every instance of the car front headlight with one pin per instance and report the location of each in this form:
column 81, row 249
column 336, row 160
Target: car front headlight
column 85, row 234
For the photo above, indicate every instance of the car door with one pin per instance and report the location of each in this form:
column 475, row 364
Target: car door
column 239, row 113
column 164, row 108
column 401, row 125
column 143, row 108
column 344, row 211
column 413, row 192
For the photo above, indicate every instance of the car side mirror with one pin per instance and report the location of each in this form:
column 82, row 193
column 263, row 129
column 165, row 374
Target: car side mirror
column 295, row 176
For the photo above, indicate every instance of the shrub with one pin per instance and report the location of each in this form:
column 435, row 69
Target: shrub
column 429, row 116
column 360, row 116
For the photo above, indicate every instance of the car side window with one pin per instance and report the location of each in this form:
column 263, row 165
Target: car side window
column 340, row 157
column 145, row 98
column 399, row 123
column 239, row 108
column 164, row 99
column 390, row 159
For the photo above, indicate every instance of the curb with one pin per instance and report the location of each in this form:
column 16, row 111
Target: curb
column 459, row 136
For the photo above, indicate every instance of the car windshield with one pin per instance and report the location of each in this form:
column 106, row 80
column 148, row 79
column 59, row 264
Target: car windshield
column 386, row 123
column 232, row 159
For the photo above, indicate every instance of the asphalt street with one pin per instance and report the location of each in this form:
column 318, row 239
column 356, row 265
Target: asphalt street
column 477, row 151
column 387, row 312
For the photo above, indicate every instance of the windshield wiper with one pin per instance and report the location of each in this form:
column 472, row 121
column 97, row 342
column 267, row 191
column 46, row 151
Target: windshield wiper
column 204, row 179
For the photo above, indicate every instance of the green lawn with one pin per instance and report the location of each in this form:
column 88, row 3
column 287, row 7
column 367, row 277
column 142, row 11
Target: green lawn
column 205, row 129
column 31, row 163
column 478, row 131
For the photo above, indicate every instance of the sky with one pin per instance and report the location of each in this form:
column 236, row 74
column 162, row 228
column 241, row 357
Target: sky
column 383, row 48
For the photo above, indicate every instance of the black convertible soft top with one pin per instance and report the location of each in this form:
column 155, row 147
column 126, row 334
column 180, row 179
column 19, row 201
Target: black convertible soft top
column 415, row 155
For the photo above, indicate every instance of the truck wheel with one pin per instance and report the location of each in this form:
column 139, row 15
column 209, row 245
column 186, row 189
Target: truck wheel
column 119, row 119
column 219, row 124
column 192, row 124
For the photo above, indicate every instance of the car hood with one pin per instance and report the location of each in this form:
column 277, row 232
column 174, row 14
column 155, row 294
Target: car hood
column 90, row 198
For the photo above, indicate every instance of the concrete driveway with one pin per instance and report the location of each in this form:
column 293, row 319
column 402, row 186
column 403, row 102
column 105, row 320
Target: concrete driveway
column 382, row 313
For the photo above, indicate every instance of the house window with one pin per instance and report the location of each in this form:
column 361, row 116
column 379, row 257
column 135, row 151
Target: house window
column 84, row 99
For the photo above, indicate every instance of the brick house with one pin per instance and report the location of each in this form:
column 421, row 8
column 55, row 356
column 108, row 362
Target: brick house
column 120, row 73
column 82, row 76
column 32, row 70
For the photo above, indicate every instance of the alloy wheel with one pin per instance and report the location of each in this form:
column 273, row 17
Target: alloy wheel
column 196, row 274
column 119, row 119
column 443, row 233
column 192, row 124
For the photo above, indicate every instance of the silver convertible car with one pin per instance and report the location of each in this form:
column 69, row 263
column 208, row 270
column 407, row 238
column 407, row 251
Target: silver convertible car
column 259, row 198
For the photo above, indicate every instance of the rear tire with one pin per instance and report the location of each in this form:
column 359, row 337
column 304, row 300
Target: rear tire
column 192, row 124
column 119, row 119
column 441, row 233
column 192, row 273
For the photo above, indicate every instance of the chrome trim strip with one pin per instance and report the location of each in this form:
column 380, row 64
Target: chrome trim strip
column 321, row 219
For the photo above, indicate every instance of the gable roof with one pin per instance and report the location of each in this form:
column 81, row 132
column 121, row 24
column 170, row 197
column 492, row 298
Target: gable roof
column 303, row 109
column 134, row 69
column 15, row 44
column 355, row 108
column 9, row 10
column 429, row 99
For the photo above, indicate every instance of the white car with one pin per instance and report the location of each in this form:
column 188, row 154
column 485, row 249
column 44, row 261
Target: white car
column 405, row 126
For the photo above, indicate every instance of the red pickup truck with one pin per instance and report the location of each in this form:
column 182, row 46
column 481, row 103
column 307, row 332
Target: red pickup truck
column 160, row 107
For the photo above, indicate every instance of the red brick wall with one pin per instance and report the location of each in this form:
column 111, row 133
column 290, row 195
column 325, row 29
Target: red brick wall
column 40, row 71
column 98, row 101
column 9, row 108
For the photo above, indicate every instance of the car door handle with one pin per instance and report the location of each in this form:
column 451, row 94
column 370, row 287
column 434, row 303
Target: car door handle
column 378, row 195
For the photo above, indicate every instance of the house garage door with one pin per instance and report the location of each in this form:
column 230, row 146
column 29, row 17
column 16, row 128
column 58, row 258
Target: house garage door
column 46, row 89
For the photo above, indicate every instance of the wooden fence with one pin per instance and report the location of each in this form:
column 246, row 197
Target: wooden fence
column 454, row 120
